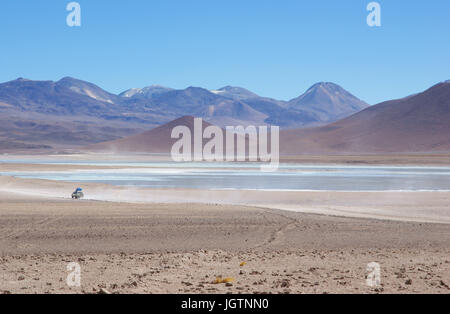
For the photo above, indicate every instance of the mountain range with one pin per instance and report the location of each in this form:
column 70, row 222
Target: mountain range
column 75, row 113
column 417, row 123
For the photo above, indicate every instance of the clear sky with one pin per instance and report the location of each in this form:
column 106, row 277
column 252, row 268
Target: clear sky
column 276, row 48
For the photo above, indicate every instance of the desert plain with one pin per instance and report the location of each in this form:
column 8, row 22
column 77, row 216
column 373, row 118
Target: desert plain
column 182, row 241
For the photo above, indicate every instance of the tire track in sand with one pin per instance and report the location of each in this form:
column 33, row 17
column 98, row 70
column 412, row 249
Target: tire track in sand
column 277, row 237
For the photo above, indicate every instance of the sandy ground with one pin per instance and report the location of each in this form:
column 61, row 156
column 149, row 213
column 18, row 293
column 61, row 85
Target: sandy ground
column 183, row 248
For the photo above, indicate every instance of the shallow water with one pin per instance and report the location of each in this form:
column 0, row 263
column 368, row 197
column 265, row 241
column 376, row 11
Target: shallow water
column 223, row 176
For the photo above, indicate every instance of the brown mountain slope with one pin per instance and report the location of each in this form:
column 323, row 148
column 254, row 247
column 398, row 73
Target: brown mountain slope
column 419, row 123
column 159, row 141
column 156, row 141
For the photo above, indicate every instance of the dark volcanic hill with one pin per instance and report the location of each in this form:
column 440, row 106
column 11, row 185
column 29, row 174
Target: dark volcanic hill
column 419, row 123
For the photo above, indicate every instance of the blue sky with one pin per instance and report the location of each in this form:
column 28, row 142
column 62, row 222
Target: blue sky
column 274, row 48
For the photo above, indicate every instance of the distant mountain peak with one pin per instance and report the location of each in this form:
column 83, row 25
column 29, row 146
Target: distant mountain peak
column 21, row 79
column 229, row 88
column 327, row 86
column 69, row 78
column 145, row 92
column 234, row 92
column 195, row 88
column 327, row 102
column 86, row 88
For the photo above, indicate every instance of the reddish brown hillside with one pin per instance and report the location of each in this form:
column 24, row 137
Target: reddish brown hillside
column 419, row 123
